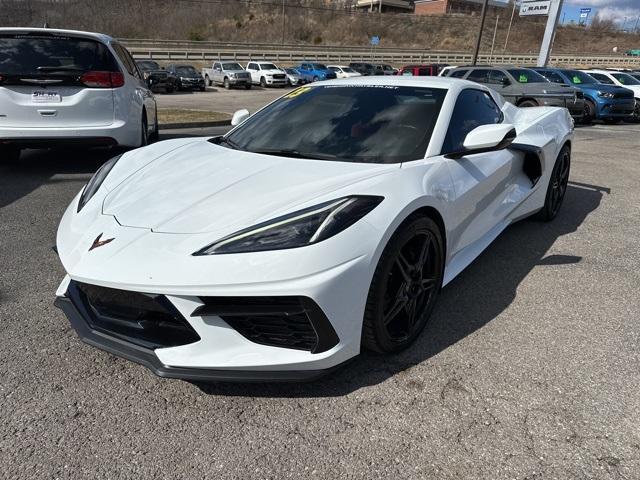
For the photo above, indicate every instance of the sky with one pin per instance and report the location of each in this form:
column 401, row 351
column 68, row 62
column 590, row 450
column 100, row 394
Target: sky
column 615, row 10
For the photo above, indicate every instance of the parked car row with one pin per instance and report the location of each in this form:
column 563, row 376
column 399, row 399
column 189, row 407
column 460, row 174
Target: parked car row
column 593, row 94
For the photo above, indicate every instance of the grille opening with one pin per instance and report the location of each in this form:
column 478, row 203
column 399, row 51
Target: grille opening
column 289, row 322
column 147, row 320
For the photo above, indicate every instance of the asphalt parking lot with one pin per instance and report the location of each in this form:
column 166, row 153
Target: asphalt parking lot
column 529, row 368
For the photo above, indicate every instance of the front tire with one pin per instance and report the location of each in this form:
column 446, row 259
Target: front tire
column 263, row 82
column 405, row 286
column 226, row 83
column 557, row 186
column 589, row 112
column 527, row 103
column 144, row 131
column 9, row 154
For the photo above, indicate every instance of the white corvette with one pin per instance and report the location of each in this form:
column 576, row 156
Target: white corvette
column 325, row 223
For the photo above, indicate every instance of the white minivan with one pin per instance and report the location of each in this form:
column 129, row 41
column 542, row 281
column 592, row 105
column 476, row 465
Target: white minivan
column 266, row 74
column 60, row 87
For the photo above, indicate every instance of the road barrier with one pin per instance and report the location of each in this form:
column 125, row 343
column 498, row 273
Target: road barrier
column 179, row 50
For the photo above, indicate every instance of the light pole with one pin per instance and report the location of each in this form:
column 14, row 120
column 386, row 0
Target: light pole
column 284, row 19
column 506, row 40
column 474, row 60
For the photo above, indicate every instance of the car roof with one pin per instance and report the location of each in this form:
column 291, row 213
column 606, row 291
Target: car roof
column 75, row 33
column 599, row 70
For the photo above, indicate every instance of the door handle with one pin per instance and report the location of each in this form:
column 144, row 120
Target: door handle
column 48, row 113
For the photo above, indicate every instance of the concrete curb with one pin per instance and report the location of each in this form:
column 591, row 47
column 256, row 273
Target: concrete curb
column 172, row 126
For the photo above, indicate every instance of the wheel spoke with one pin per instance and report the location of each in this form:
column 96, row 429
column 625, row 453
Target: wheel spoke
column 411, row 313
column 404, row 266
column 427, row 284
column 424, row 252
column 398, row 305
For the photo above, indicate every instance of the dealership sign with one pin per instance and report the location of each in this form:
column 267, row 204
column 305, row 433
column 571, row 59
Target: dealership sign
column 535, row 8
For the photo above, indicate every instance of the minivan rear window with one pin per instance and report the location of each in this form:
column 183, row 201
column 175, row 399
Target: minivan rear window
column 46, row 54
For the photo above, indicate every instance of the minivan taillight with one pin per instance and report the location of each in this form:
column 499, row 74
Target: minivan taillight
column 103, row 79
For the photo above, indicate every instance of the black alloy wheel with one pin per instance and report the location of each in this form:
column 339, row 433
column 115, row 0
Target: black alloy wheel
column 405, row 286
column 636, row 111
column 557, row 186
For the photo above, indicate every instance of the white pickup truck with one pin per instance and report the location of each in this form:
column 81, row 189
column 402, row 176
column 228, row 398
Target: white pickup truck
column 266, row 74
column 229, row 74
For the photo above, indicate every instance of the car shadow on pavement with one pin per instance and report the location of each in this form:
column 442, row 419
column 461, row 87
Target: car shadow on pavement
column 473, row 299
column 36, row 168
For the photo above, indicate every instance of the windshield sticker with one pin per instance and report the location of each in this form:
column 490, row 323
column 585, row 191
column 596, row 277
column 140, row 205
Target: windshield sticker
column 576, row 79
column 523, row 78
column 297, row 92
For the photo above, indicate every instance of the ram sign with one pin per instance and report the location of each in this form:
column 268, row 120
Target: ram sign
column 535, row 8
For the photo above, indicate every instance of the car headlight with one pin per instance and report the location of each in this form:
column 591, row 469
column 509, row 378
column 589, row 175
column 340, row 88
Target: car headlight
column 93, row 186
column 298, row 229
column 232, row 75
column 606, row 94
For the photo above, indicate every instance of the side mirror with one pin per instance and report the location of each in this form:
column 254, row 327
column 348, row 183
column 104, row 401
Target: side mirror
column 505, row 82
column 239, row 116
column 486, row 138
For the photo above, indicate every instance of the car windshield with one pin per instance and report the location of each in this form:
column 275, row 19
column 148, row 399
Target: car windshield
column 373, row 124
column 334, row 69
column 578, row 78
column 291, row 71
column 231, row 66
column 523, row 75
column 148, row 65
column 348, row 70
column 625, row 79
column 319, row 66
column 186, row 71
column 268, row 66
column 22, row 54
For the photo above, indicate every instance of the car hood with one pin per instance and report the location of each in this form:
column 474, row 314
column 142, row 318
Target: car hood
column 201, row 187
column 273, row 71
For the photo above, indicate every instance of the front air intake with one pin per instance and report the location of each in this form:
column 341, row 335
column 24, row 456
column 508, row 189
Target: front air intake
column 288, row 322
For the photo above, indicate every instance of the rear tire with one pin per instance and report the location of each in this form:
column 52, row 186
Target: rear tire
column 155, row 135
column 315, row 79
column 144, row 131
column 404, row 287
column 557, row 187
column 527, row 103
column 9, row 154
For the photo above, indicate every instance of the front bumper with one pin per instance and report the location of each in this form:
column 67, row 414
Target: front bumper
column 239, row 81
column 78, row 315
column 615, row 108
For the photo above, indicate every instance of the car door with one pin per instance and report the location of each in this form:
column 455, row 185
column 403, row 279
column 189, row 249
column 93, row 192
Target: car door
column 484, row 183
column 217, row 72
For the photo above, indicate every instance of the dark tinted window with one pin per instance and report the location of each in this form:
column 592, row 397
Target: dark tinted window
column 497, row 77
column 147, row 65
column 577, row 77
column 625, row 79
column 126, row 58
column 473, row 108
column 480, row 76
column 388, row 124
column 457, row 73
column 187, row 70
column 552, row 76
column 42, row 54
column 423, row 71
column 232, row 66
column 524, row 75
column 602, row 78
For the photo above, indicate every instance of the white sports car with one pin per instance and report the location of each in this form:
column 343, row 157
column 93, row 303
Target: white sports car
column 325, row 223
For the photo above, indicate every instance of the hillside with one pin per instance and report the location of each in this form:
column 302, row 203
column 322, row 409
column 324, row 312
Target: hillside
column 261, row 22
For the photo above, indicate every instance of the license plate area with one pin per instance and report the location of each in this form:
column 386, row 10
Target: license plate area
column 45, row 96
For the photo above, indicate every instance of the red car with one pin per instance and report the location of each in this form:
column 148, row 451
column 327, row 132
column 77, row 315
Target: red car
column 431, row 70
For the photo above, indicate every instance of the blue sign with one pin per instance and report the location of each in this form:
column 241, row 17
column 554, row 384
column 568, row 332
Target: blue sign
column 585, row 10
column 375, row 40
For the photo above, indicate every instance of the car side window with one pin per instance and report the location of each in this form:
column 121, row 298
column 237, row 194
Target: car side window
column 472, row 109
column 458, row 73
column 423, row 72
column 126, row 59
column 478, row 76
column 602, row 78
column 552, row 76
column 497, row 77
column 216, row 66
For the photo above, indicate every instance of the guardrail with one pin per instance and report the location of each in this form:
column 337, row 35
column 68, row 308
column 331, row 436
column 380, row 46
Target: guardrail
column 179, row 50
